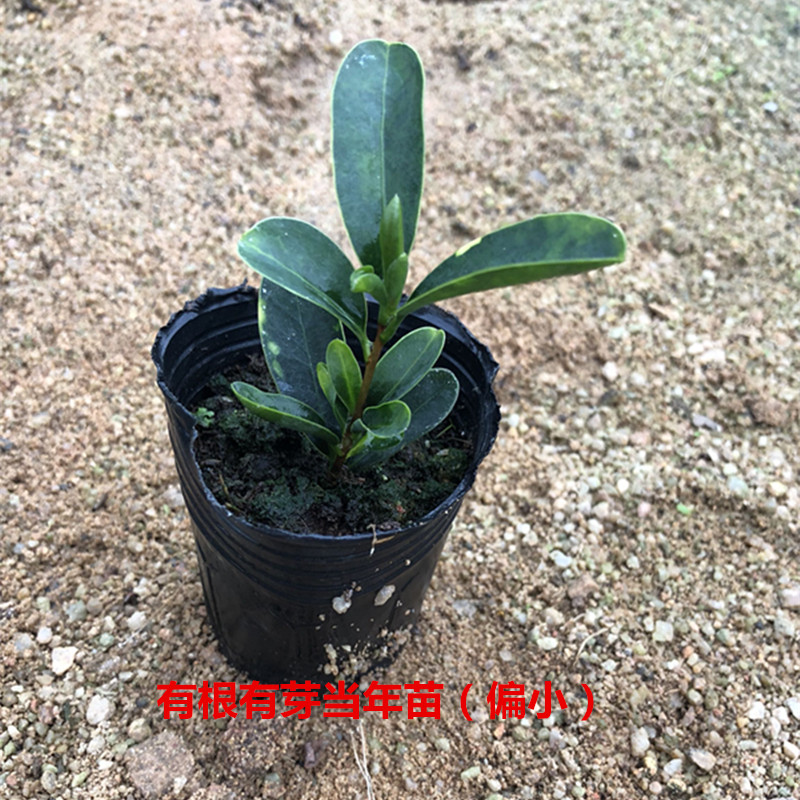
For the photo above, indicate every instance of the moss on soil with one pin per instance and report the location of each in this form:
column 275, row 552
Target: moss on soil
column 274, row 476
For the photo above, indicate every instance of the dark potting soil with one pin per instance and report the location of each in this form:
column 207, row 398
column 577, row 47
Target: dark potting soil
column 274, row 476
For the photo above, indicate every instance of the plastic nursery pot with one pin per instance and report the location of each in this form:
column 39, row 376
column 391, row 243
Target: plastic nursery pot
column 294, row 606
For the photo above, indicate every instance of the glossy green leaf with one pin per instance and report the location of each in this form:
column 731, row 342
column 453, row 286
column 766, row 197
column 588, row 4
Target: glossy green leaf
column 538, row 248
column 430, row 401
column 344, row 372
column 395, row 279
column 391, row 232
column 378, row 142
column 295, row 334
column 301, row 259
column 381, row 430
column 288, row 413
column 365, row 282
column 405, row 364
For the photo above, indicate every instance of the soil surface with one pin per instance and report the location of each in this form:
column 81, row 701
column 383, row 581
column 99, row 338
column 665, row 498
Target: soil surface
column 633, row 533
column 275, row 476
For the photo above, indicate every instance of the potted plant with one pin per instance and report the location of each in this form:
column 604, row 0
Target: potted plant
column 360, row 373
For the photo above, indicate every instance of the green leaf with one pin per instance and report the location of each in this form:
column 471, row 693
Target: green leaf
column 295, row 334
column 404, row 365
column 382, row 429
column 288, row 413
column 301, row 259
column 391, row 232
column 430, row 401
column 326, row 384
column 538, row 248
column 344, row 372
column 395, row 280
column 363, row 281
column 378, row 142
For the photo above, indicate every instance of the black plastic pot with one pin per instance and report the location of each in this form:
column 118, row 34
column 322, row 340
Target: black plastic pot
column 290, row 605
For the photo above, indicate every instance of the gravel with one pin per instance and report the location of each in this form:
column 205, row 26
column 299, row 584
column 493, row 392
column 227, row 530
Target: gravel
column 634, row 531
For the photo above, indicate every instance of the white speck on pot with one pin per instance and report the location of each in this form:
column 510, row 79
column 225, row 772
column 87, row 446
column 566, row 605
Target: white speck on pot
column 342, row 603
column 383, row 594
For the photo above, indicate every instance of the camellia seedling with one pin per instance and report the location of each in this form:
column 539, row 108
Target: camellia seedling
column 359, row 408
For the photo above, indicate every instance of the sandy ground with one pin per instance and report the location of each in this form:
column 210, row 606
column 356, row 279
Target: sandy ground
column 635, row 528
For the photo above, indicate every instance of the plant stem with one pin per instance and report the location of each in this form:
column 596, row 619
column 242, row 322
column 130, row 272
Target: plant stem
column 366, row 382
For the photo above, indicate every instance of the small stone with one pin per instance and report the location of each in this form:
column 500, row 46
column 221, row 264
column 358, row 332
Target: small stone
column 672, row 768
column 643, row 509
column 137, row 621
column 610, row 371
column 62, row 658
column 383, row 594
column 793, row 704
column 513, row 420
column 640, row 742
column 547, row 643
column 506, row 655
column 663, row 631
column 737, row 485
column 777, row 489
column 23, row 642
column 99, row 710
column 790, row 596
column 471, row 772
column 173, row 497
column 561, row 560
column 771, row 107
column 336, row 37
column 582, row 588
column 160, row 765
column 442, row 744
column 139, row 730
column 784, row 626
column 466, row 608
column 94, row 606
column 76, row 611
column 703, row 759
column 791, row 751
column 49, row 781
column 342, row 603
column 44, row 635
column 757, row 711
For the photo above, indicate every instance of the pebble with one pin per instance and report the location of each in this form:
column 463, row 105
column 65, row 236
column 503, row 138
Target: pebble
column 672, row 768
column 547, row 643
column 76, row 611
column 640, row 742
column 442, row 744
column 23, row 642
column 561, row 560
column 173, row 497
column 663, row 632
column 703, row 759
column 793, row 704
column 737, row 485
column 610, row 371
column 44, row 635
column 471, row 772
column 48, row 781
column 466, row 608
column 137, row 621
column 784, row 626
column 62, row 658
column 790, row 596
column 99, row 710
column 139, row 730
column 791, row 751
column 757, row 711
column 777, row 489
